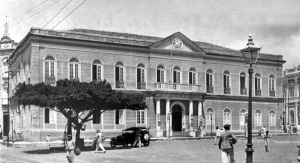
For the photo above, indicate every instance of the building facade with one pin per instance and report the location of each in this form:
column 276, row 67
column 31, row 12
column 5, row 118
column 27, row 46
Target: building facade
column 184, row 82
column 291, row 94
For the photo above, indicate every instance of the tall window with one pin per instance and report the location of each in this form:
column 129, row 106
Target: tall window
column 257, row 82
column 292, row 116
column 140, row 117
column 119, row 75
column 141, row 76
column 271, row 85
column 192, row 76
column 49, row 66
column 226, row 79
column 96, row 117
column 209, row 81
column 258, row 117
column 74, row 68
column 160, row 74
column 97, row 70
column 243, row 83
column 291, row 91
column 176, row 74
column 226, row 116
column 242, row 118
column 272, row 118
column 119, row 116
column 209, row 116
column 49, row 116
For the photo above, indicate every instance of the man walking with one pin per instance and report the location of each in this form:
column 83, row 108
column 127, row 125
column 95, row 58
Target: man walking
column 226, row 141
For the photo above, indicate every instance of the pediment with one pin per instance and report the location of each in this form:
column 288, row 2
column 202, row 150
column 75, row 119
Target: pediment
column 177, row 42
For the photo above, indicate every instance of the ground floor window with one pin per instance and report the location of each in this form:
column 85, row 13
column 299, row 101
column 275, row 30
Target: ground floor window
column 258, row 118
column 272, row 118
column 119, row 116
column 49, row 116
column 140, row 117
column 96, row 117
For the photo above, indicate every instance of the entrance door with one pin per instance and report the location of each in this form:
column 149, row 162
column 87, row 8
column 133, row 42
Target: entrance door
column 5, row 124
column 176, row 118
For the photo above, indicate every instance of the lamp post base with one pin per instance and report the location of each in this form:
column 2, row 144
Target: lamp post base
column 249, row 153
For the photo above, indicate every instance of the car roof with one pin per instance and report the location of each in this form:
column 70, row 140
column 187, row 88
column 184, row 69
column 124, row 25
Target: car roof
column 134, row 128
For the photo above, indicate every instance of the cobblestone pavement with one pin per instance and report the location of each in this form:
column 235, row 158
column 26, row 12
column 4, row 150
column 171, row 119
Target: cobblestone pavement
column 283, row 149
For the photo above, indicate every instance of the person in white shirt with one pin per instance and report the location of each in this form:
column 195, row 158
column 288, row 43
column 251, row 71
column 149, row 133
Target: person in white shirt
column 218, row 133
column 99, row 140
column 48, row 139
column 183, row 128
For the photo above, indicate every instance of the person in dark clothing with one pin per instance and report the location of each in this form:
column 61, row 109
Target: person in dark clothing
column 137, row 138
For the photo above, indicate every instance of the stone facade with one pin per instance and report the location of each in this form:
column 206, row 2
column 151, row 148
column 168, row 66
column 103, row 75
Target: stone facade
column 173, row 74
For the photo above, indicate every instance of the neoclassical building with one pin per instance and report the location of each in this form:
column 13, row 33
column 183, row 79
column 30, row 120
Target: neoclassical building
column 184, row 82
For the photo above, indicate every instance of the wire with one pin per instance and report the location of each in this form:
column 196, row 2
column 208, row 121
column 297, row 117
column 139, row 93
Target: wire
column 57, row 13
column 68, row 14
column 27, row 11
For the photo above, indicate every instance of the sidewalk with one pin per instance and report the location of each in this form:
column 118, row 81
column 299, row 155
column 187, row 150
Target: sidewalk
column 89, row 142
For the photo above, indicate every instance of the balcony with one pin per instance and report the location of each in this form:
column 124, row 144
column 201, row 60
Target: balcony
column 244, row 91
column 257, row 92
column 178, row 87
column 141, row 85
column 210, row 89
column 272, row 93
column 50, row 80
column 227, row 90
column 119, row 84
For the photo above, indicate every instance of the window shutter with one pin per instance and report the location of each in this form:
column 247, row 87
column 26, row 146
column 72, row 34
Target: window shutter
column 158, row 76
column 174, row 76
column 47, row 115
column 117, row 74
column 190, row 78
column 94, row 72
column 207, row 79
column 162, row 76
column 138, row 75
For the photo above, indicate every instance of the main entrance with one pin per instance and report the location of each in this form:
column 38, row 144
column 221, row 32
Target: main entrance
column 176, row 118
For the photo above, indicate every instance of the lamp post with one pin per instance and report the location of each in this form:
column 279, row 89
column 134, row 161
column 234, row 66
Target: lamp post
column 211, row 125
column 6, row 86
column 12, row 129
column 250, row 54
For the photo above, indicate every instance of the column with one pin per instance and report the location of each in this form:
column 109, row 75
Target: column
column 168, row 119
column 200, row 116
column 158, row 122
column 192, row 133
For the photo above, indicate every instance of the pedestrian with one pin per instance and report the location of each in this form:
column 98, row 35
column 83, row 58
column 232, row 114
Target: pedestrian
column 263, row 131
column 48, row 139
column 281, row 128
column 203, row 133
column 199, row 130
column 267, row 136
column 99, row 140
column 218, row 133
column 70, row 146
column 183, row 128
column 0, row 132
column 290, row 130
column 137, row 140
column 226, row 141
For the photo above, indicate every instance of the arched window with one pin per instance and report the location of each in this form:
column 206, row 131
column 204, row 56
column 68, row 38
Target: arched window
column 242, row 118
column 271, row 85
column 226, row 82
column 74, row 68
column 257, row 81
column 97, row 70
column 160, row 75
column 176, row 74
column 49, row 66
column 226, row 116
column 119, row 72
column 258, row 117
column 210, row 116
column 209, row 81
column 243, row 89
column 141, row 72
column 192, row 76
column 272, row 118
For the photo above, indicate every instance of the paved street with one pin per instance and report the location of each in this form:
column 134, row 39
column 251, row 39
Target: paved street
column 282, row 150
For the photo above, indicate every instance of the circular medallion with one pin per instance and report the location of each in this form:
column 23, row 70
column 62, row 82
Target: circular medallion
column 177, row 43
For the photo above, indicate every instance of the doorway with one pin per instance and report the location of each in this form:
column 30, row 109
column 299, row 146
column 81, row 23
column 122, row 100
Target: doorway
column 176, row 118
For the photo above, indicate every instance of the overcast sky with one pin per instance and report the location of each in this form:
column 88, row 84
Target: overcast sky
column 274, row 24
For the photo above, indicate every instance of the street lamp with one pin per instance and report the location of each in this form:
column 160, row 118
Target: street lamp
column 250, row 54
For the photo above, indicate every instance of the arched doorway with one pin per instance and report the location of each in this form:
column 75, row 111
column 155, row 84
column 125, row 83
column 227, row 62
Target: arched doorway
column 176, row 118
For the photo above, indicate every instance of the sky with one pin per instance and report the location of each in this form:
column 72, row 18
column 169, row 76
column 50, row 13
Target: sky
column 273, row 24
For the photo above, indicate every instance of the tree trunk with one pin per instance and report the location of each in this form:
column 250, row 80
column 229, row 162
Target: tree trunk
column 78, row 127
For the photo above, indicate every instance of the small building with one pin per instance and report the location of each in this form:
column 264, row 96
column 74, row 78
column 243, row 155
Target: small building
column 184, row 81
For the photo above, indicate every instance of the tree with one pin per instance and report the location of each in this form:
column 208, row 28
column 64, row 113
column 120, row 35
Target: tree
column 72, row 98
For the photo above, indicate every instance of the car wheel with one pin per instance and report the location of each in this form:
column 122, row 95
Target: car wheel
column 113, row 144
column 147, row 140
column 125, row 145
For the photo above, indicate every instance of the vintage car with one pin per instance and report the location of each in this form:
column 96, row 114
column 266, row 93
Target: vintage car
column 128, row 137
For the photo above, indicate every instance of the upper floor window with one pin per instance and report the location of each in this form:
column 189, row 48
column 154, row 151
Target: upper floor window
column 141, row 72
column 74, row 68
column 49, row 65
column 192, row 76
column 226, row 116
column 210, row 116
column 176, row 74
column 97, row 70
column 292, row 115
column 257, row 86
column 226, row 82
column 291, row 92
column 243, row 90
column 160, row 74
column 209, row 81
column 140, row 117
column 272, row 118
column 271, row 85
column 119, row 72
column 258, row 118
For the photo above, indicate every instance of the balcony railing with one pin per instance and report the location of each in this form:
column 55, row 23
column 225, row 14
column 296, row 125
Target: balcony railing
column 210, row 89
column 179, row 87
column 141, row 85
column 244, row 91
column 227, row 90
column 272, row 93
column 257, row 92
column 50, row 80
column 119, row 84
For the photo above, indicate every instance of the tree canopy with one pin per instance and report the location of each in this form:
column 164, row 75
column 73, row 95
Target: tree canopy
column 95, row 97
